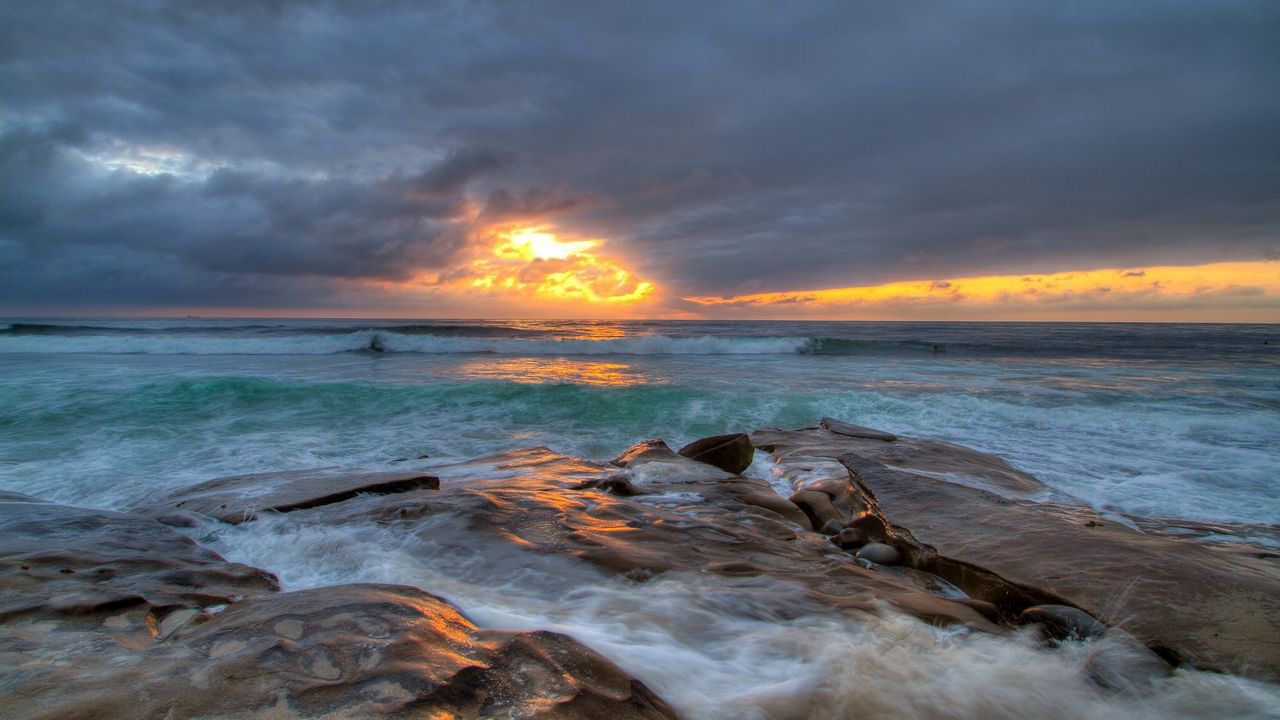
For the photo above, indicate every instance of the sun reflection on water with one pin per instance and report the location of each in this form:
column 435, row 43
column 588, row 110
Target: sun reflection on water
column 545, row 370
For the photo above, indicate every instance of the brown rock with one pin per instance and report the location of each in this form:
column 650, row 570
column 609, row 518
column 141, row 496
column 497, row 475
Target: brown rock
column 1063, row 622
column 731, row 453
column 112, row 615
column 244, row 497
column 850, row 538
column 817, row 507
column 880, row 554
column 1210, row 604
column 856, row 431
column 642, row 452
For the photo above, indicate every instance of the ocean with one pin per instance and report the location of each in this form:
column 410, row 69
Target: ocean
column 1166, row 421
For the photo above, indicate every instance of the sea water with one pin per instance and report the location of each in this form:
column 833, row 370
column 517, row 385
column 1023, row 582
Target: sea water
column 1174, row 421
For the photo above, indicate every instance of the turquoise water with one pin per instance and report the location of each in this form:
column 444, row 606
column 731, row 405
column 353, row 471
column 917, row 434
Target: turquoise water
column 1159, row 420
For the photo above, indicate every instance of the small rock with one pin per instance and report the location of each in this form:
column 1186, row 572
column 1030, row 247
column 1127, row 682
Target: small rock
column 1063, row 622
column 731, row 453
column 870, row 524
column 614, row 485
column 817, row 506
column 880, row 554
column 832, row 527
column 1123, row 664
column 850, row 538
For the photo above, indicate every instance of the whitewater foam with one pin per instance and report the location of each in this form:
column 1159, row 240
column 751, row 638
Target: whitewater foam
column 751, row 648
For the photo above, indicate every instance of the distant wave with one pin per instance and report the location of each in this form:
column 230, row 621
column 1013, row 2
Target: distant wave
column 392, row 342
column 209, row 337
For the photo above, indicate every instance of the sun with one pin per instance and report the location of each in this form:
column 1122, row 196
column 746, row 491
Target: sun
column 536, row 244
column 537, row 263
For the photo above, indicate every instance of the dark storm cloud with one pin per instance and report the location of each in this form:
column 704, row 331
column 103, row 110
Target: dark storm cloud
column 289, row 147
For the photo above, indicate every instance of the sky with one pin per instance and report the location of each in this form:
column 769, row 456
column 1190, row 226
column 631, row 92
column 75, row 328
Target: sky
column 988, row 160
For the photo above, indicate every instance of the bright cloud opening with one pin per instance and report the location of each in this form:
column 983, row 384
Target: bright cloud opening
column 534, row 262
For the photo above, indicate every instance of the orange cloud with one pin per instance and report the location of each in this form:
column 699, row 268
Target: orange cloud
column 1226, row 291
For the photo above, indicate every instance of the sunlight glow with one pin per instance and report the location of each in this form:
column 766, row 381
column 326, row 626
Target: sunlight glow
column 1248, row 286
column 534, row 262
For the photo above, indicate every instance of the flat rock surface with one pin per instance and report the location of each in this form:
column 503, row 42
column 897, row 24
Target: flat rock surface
column 62, row 564
column 948, row 460
column 1215, row 605
column 243, row 497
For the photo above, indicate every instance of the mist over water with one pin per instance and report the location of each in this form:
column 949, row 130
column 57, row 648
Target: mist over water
column 1173, row 421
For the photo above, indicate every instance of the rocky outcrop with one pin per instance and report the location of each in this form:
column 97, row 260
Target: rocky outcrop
column 113, row 615
column 241, row 498
column 963, row 516
column 683, row 516
column 731, row 453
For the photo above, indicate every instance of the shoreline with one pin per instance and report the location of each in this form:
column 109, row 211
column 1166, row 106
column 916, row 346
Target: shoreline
column 872, row 526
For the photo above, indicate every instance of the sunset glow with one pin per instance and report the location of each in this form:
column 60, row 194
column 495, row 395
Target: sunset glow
column 1250, row 287
column 535, row 263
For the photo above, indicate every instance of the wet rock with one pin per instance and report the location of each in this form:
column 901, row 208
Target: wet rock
column 817, row 506
column 988, row 610
column 351, row 651
column 642, row 452
column 69, row 566
column 870, row 524
column 850, row 538
column 907, row 453
column 179, row 519
column 832, row 527
column 613, row 484
column 1119, row 662
column 856, row 431
column 244, row 497
column 968, row 521
column 1063, row 622
column 880, row 554
column 717, row 524
column 731, row 453
column 114, row 615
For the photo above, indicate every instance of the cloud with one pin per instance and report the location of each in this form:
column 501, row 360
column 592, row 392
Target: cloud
column 156, row 153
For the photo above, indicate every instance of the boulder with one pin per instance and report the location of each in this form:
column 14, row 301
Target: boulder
column 731, row 453
column 244, row 497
